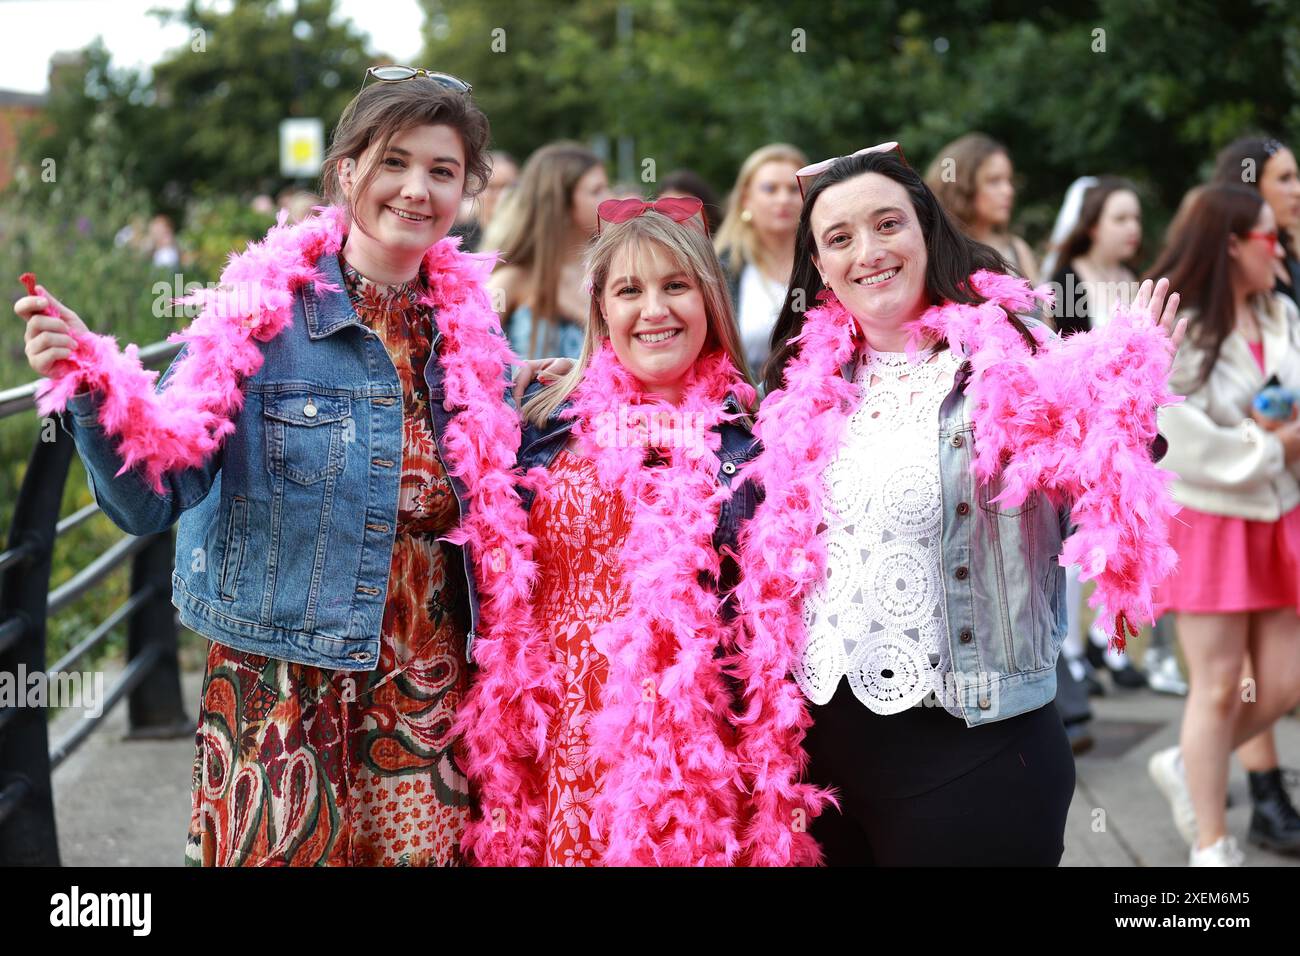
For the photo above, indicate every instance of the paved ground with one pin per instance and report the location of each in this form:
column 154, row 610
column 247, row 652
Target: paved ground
column 126, row 803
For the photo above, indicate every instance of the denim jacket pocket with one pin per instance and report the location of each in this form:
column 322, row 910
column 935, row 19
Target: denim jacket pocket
column 305, row 435
column 233, row 556
column 986, row 491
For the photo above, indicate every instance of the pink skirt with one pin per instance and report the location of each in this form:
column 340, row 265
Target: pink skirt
column 1231, row 565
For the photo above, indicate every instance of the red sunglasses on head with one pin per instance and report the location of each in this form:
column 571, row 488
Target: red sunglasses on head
column 676, row 208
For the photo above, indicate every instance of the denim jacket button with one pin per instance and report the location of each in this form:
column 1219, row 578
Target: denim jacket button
column 984, row 703
column 360, row 656
column 962, row 573
column 309, row 410
column 963, row 508
column 958, row 441
column 728, row 468
column 966, row 636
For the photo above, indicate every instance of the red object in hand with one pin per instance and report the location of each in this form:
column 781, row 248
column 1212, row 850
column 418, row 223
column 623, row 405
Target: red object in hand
column 29, row 282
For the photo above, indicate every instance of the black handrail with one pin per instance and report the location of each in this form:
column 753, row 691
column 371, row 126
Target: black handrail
column 151, row 681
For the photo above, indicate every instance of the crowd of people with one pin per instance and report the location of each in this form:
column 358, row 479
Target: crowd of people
column 806, row 621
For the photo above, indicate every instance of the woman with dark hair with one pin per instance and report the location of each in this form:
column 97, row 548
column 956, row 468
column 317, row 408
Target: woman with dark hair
column 974, row 180
column 1263, row 163
column 687, row 182
column 1238, row 479
column 903, row 563
column 1098, row 231
column 1090, row 265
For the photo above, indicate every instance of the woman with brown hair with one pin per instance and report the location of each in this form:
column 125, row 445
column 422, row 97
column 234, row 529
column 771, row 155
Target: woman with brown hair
column 541, row 230
column 973, row 178
column 305, row 444
column 1264, row 163
column 755, row 243
column 1237, row 590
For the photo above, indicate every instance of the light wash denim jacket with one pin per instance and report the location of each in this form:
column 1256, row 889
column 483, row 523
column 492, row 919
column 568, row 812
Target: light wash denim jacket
column 285, row 537
column 1004, row 590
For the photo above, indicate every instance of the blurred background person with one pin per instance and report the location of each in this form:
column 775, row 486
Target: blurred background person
column 162, row 243
column 973, row 178
column 1264, row 163
column 542, row 229
column 1094, row 257
column 755, row 243
column 686, row 183
column 1237, row 588
column 1097, row 234
column 627, row 190
column 476, row 212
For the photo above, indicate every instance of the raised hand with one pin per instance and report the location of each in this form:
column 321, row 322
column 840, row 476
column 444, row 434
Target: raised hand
column 48, row 339
column 1151, row 298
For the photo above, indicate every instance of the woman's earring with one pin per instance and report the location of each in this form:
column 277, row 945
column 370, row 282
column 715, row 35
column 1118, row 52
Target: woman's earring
column 746, row 216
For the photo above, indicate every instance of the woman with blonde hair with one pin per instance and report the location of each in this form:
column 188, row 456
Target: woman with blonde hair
column 542, row 229
column 604, row 730
column 973, row 178
column 756, row 243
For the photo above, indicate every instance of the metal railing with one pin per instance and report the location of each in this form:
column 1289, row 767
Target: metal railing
column 151, row 679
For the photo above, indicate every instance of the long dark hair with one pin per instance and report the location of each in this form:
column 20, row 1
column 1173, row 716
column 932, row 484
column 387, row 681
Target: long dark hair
column 1250, row 154
column 1079, row 241
column 951, row 255
column 1196, row 261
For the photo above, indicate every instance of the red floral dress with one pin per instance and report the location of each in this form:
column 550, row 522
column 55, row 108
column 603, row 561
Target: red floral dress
column 296, row 765
column 580, row 530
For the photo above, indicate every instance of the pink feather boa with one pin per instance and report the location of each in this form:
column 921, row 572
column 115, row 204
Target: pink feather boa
column 1075, row 420
column 186, row 422
column 671, row 794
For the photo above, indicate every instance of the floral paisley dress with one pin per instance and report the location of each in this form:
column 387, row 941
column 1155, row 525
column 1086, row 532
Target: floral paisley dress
column 300, row 766
column 580, row 530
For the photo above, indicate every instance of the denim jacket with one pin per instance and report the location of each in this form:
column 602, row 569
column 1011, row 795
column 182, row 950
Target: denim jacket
column 285, row 537
column 1004, row 590
column 539, row 446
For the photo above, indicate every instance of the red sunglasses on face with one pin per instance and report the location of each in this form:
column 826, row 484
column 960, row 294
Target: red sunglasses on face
column 1270, row 237
column 676, row 208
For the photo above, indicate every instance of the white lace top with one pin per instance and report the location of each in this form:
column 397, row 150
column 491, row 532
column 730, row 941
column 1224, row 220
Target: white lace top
column 879, row 617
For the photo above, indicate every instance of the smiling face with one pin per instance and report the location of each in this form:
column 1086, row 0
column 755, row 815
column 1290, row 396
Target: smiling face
column 871, row 253
column 1118, row 232
column 656, row 316
column 1280, row 186
column 995, row 193
column 412, row 200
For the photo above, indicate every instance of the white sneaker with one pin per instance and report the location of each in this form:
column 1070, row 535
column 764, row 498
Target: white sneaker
column 1223, row 853
column 1163, row 673
column 1166, row 769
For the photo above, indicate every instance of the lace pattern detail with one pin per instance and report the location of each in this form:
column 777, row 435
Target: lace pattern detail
column 878, row 617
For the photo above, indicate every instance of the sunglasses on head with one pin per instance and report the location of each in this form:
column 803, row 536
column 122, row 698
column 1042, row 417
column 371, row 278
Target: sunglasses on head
column 395, row 74
column 676, row 208
column 811, row 172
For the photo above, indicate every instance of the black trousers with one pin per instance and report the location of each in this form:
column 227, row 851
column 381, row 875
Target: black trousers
column 920, row 788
